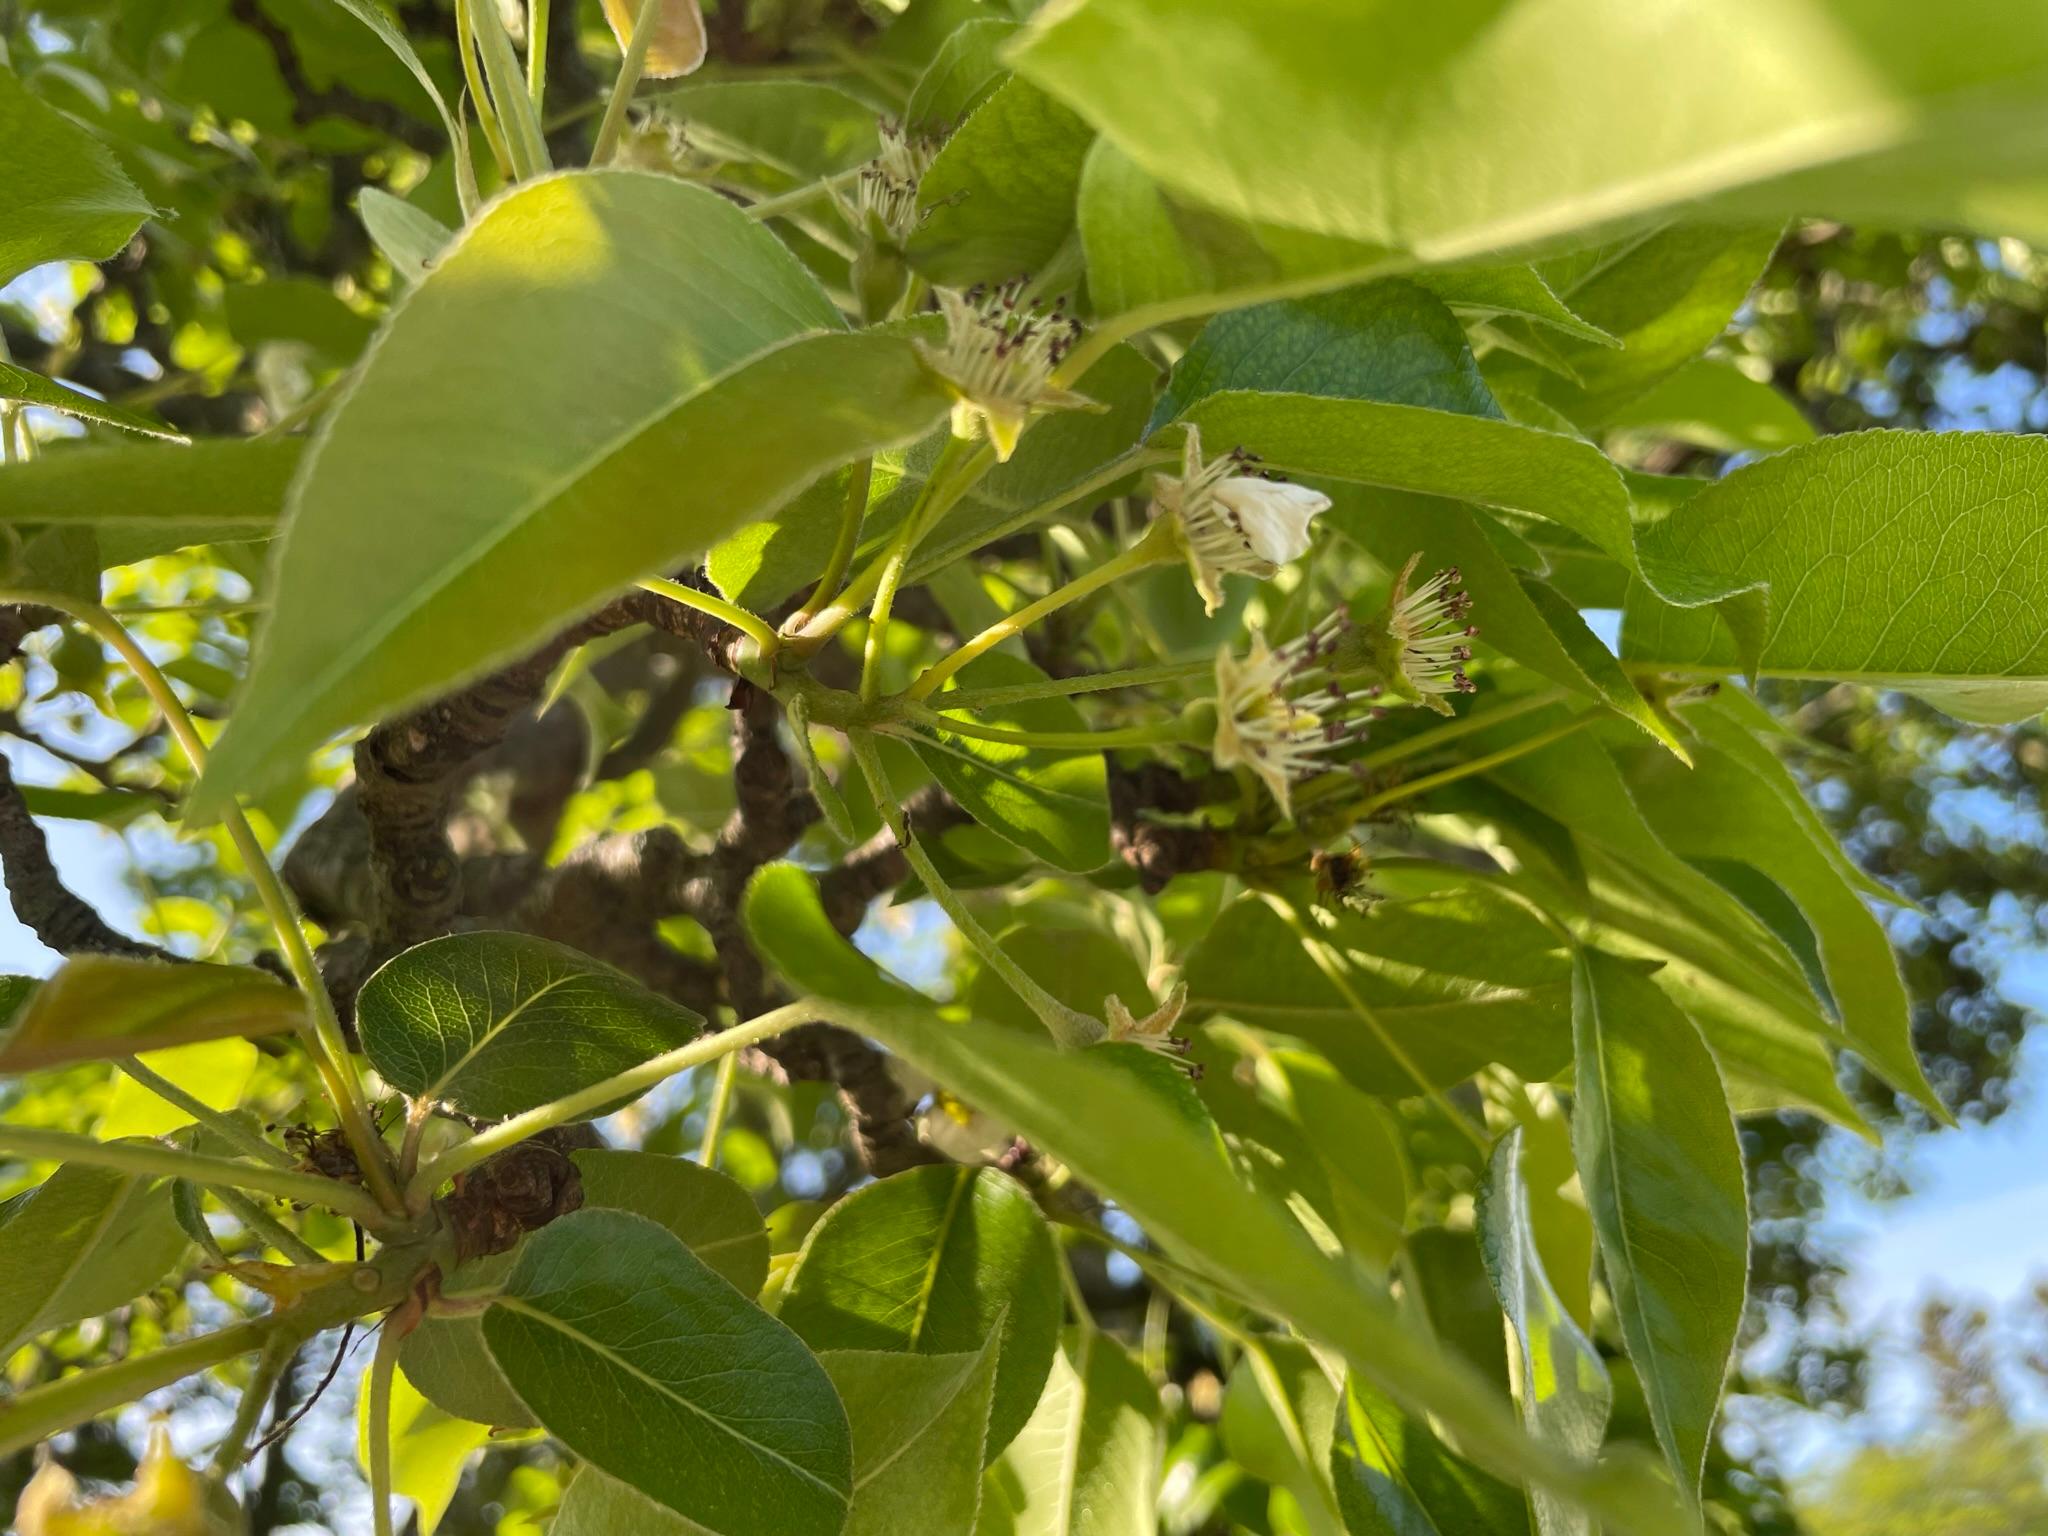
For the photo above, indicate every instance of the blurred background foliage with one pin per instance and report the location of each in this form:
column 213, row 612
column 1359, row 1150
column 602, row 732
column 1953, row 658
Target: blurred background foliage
column 254, row 125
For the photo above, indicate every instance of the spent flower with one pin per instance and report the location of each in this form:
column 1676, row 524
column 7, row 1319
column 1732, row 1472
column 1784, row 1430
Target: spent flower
column 1155, row 1030
column 1233, row 518
column 887, row 210
column 998, row 361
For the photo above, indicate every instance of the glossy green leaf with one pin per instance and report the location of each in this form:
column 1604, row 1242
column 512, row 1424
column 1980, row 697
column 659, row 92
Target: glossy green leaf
column 1155, row 256
column 411, row 239
column 1662, row 1172
column 1087, row 1462
column 84, row 1242
column 215, row 1072
column 392, row 36
column 920, row 1423
column 496, row 1023
column 1663, row 294
column 1373, row 119
column 967, row 67
column 932, row 1261
column 1394, row 1477
column 999, row 198
column 153, row 500
column 707, row 1210
column 34, row 389
column 1446, row 1291
column 1740, row 803
column 1453, row 980
column 1559, row 1380
column 1388, row 341
column 599, row 1505
column 660, row 337
column 1135, row 1148
column 64, row 196
column 101, row 1006
column 1713, row 404
column 1896, row 559
column 1054, row 805
column 800, row 127
column 1357, row 1145
column 786, row 922
column 640, row 1359
column 1082, row 967
column 1441, row 453
column 1279, row 1422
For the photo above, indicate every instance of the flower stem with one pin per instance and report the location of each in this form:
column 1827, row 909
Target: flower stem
column 320, row 1032
column 851, row 514
column 264, row 1225
column 1467, row 769
column 959, row 467
column 152, row 1158
column 797, row 197
column 971, row 699
column 536, row 52
column 630, row 67
column 1425, row 742
column 378, row 1429
column 232, row 1451
column 758, row 630
column 1070, row 1028
column 714, row 1116
column 437, row 1171
column 1167, row 733
column 219, row 1124
column 1159, row 546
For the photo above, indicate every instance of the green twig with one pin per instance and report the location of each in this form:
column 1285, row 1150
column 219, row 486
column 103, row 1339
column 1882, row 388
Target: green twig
column 261, row 1223
column 154, row 1158
column 378, row 1430
column 714, row 1115
column 853, row 511
column 1167, row 733
column 630, row 67
column 959, row 467
column 971, row 699
column 797, row 197
column 232, row 1451
column 1476, row 765
column 756, row 629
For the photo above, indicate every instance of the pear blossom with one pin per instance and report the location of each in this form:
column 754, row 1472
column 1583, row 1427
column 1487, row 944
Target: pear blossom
column 887, row 208
column 998, row 360
column 1282, row 713
column 1233, row 520
column 1429, row 632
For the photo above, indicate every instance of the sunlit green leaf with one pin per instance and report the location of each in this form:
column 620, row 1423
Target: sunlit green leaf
column 102, row 1006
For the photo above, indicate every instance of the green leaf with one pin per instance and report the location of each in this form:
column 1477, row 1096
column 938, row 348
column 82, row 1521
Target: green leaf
column 497, row 1023
column 1455, row 980
column 429, row 1449
column 1559, row 1380
column 1396, row 1478
column 1154, row 257
column 1665, row 295
column 639, row 1358
column 999, row 198
column 920, row 1423
column 710, row 1212
column 154, row 500
column 448, row 1362
column 624, row 334
column 411, row 239
column 1374, row 122
column 98, row 1007
column 1740, row 803
column 960, row 77
column 64, row 196
column 34, row 389
column 799, row 127
column 1713, row 404
column 1895, row 559
column 1053, row 805
column 1662, row 1172
column 786, row 922
column 215, row 1072
column 393, row 37
column 1082, row 967
column 1357, row 1145
column 931, row 1262
column 598, row 1505
column 1087, row 1463
column 85, row 1241
column 1134, row 1147
column 1441, row 453
column 1389, row 341
column 1278, row 1423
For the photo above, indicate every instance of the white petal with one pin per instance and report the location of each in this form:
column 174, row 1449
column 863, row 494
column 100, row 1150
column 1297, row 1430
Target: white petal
column 1274, row 514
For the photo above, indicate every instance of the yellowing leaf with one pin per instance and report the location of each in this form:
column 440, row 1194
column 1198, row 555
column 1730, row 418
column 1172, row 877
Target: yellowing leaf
column 678, row 46
column 100, row 1006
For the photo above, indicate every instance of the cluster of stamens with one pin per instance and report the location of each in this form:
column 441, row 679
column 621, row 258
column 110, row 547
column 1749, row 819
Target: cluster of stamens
column 889, row 182
column 1000, row 354
column 1429, row 625
column 1154, row 1032
column 1283, row 714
